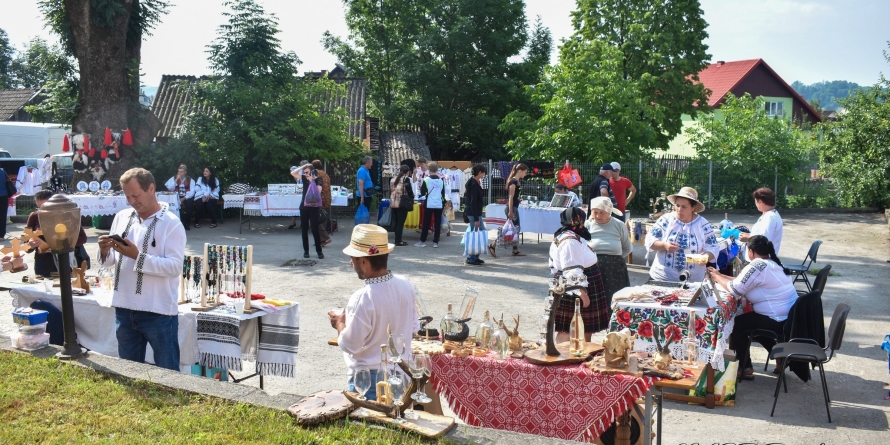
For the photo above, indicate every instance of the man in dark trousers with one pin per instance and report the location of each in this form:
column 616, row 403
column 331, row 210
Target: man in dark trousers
column 600, row 185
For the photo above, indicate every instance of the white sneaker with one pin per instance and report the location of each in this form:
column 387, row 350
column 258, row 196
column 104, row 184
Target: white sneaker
column 435, row 244
column 420, row 244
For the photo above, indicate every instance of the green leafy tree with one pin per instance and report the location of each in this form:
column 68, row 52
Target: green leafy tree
column 263, row 117
column 662, row 51
column 856, row 152
column 826, row 92
column 7, row 53
column 750, row 148
column 49, row 68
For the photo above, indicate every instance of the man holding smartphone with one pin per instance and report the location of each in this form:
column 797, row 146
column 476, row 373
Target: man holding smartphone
column 146, row 248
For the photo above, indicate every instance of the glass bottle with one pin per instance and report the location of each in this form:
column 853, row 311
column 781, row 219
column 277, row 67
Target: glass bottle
column 384, row 393
column 500, row 341
column 484, row 331
column 448, row 324
column 691, row 342
column 576, row 332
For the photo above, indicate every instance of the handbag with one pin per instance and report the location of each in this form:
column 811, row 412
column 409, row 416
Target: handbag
column 569, row 176
column 362, row 216
column 313, row 195
column 395, row 196
column 475, row 242
column 386, row 219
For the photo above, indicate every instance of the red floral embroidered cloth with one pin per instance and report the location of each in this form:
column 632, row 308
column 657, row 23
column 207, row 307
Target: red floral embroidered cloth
column 567, row 402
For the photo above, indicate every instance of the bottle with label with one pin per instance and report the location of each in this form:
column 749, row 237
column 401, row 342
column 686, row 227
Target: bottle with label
column 484, row 332
column 576, row 332
column 384, row 391
column 449, row 324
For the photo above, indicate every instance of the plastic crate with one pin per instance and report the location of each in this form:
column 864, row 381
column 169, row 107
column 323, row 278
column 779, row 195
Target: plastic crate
column 27, row 316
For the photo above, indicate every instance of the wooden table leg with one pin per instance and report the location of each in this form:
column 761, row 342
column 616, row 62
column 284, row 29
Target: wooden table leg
column 709, row 388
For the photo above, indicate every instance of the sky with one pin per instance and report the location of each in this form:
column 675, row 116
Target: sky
column 805, row 40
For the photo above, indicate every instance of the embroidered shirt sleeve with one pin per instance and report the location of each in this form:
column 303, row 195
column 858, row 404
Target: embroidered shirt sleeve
column 751, row 277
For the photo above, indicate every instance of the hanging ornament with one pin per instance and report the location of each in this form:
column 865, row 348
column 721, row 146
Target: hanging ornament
column 66, row 147
column 128, row 138
column 90, row 151
column 104, row 153
column 107, row 137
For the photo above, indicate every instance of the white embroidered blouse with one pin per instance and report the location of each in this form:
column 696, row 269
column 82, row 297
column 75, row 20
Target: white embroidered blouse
column 695, row 237
column 765, row 285
column 569, row 256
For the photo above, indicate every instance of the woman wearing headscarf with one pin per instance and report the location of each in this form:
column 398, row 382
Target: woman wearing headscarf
column 575, row 273
column 680, row 233
column 611, row 242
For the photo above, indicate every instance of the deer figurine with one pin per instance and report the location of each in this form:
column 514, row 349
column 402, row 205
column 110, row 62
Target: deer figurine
column 515, row 339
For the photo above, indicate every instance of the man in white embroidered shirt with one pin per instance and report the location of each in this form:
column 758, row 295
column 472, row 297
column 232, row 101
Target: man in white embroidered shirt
column 147, row 259
column 385, row 300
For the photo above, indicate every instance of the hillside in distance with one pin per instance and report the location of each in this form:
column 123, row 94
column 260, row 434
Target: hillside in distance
column 826, row 92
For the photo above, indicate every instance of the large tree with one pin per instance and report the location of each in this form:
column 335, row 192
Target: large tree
column 663, row 50
column 105, row 36
column 262, row 117
column 856, row 152
column 7, row 53
column 444, row 65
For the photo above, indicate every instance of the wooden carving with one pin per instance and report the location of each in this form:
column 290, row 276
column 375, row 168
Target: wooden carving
column 662, row 356
column 78, row 273
column 617, row 348
column 515, row 344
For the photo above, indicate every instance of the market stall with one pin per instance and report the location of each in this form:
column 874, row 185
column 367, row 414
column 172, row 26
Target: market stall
column 540, row 220
column 269, row 204
column 106, row 204
column 95, row 323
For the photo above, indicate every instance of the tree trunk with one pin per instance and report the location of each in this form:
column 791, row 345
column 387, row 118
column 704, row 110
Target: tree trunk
column 109, row 81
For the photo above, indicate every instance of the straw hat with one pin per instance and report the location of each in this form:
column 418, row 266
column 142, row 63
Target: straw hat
column 690, row 194
column 368, row 240
column 604, row 204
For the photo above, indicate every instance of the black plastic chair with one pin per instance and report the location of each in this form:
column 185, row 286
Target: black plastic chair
column 800, row 272
column 806, row 350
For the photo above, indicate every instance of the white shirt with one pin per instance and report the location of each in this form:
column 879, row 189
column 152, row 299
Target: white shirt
column 765, row 285
column 384, row 301
column 28, row 180
column 570, row 255
column 695, row 237
column 201, row 189
column 769, row 225
column 159, row 262
column 455, row 180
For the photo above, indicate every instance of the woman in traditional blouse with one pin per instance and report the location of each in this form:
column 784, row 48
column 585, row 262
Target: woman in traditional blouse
column 769, row 287
column 611, row 242
column 206, row 196
column 574, row 271
column 678, row 234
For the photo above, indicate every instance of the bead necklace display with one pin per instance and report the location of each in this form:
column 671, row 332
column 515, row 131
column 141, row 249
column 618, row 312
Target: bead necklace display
column 227, row 273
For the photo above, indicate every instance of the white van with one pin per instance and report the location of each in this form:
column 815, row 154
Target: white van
column 31, row 140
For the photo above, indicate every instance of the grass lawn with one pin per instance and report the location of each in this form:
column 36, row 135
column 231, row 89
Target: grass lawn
column 47, row 401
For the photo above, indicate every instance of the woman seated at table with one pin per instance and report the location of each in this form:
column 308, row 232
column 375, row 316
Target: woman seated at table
column 611, row 242
column 680, row 233
column 574, row 270
column 769, row 287
column 561, row 189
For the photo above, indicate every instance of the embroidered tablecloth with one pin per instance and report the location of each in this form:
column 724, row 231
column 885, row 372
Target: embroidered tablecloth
column 91, row 205
column 712, row 326
column 567, row 402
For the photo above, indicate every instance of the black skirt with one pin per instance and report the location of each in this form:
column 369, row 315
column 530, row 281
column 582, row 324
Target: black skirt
column 615, row 277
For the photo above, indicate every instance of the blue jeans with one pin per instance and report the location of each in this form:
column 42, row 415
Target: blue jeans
column 135, row 329
column 473, row 219
column 372, row 392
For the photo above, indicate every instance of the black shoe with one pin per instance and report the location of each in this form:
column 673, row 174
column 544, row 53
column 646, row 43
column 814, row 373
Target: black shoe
column 188, row 228
column 291, row 226
column 306, row 255
column 474, row 263
column 480, row 261
column 320, row 256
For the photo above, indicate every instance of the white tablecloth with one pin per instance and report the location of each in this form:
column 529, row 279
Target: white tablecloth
column 91, row 205
column 94, row 322
column 277, row 205
column 543, row 220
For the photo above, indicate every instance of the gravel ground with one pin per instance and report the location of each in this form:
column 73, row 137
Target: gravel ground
column 856, row 245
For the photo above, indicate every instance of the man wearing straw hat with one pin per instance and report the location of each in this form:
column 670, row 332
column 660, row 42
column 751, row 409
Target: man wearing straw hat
column 386, row 301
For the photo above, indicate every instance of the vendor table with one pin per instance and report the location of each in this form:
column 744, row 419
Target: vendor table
column 264, row 204
column 540, row 220
column 568, row 402
column 95, row 326
column 99, row 205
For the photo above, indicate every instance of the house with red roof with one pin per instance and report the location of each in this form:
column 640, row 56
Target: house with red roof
column 755, row 77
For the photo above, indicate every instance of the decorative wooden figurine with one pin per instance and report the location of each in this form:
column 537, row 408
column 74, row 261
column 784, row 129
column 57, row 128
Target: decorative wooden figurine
column 78, row 273
column 515, row 344
column 662, row 356
column 617, row 348
column 15, row 262
column 28, row 235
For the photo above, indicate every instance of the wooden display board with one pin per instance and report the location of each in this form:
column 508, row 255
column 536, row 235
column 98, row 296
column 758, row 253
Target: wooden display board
column 428, row 425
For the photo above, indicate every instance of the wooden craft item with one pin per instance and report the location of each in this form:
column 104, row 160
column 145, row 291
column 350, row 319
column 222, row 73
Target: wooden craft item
column 663, row 358
column 515, row 339
column 464, row 333
column 428, row 425
column 334, row 341
column 650, row 367
column 320, row 407
column 391, row 410
column 429, row 347
column 541, row 357
column 599, row 365
column 79, row 281
column 551, row 322
column 204, row 307
column 617, row 347
column 29, row 235
column 15, row 249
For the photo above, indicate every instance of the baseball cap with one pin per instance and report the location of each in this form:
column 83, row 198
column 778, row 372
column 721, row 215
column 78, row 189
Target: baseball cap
column 607, row 167
column 616, row 166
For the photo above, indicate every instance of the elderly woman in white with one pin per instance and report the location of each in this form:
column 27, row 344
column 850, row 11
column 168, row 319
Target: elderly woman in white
column 680, row 233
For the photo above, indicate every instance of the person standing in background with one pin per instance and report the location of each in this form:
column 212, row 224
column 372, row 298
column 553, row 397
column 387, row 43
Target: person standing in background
column 434, row 199
column 4, row 196
column 364, row 183
column 325, row 202
column 474, row 206
column 770, row 223
column 620, row 186
column 402, row 201
column 601, row 186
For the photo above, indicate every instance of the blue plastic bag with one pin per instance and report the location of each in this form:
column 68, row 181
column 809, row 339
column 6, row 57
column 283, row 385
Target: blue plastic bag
column 362, row 216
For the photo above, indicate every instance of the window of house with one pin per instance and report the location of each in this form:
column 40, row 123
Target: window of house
column 773, row 108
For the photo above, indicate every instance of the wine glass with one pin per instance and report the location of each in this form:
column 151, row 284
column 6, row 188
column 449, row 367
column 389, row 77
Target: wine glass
column 419, row 367
column 398, row 389
column 362, row 382
column 396, row 347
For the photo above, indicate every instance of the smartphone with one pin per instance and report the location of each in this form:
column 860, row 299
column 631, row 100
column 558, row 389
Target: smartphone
column 119, row 239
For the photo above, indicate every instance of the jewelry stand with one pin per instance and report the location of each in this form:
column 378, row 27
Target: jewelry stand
column 211, row 270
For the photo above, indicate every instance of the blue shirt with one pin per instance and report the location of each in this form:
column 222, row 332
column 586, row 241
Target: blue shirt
column 363, row 174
